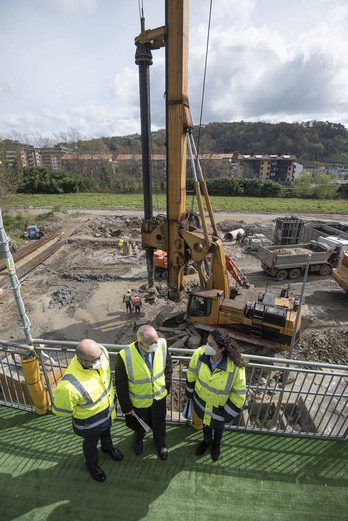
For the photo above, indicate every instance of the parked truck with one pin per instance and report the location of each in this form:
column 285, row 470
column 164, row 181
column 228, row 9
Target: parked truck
column 288, row 261
column 341, row 273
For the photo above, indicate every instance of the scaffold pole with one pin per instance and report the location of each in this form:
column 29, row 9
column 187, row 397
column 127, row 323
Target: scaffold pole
column 15, row 284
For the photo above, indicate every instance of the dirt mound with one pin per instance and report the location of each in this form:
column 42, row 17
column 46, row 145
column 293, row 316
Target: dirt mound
column 114, row 226
column 267, row 228
column 327, row 346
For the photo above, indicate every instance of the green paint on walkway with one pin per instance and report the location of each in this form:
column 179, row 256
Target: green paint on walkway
column 258, row 477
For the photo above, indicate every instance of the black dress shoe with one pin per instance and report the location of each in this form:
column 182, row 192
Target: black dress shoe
column 202, row 447
column 114, row 453
column 163, row 451
column 138, row 446
column 98, row 474
column 215, row 451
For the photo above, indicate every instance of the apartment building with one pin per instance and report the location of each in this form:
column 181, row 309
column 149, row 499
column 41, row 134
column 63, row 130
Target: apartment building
column 278, row 168
column 27, row 155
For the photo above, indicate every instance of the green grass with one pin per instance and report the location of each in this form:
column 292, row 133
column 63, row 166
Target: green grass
column 258, row 477
column 136, row 201
column 14, row 222
column 15, row 225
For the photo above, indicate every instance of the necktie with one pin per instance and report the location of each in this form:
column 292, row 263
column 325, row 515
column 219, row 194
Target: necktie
column 148, row 360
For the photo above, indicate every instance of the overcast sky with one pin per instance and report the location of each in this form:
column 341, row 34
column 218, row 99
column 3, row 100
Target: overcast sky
column 69, row 64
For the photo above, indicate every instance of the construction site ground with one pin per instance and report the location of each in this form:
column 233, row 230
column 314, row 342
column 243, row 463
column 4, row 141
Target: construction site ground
column 77, row 291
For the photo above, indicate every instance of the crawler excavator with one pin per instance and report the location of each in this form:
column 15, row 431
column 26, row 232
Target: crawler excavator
column 257, row 317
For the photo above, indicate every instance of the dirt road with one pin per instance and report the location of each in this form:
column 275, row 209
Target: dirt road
column 78, row 292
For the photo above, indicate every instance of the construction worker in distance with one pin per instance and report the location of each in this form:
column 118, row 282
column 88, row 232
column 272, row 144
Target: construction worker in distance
column 137, row 303
column 120, row 242
column 127, row 299
column 86, row 393
column 143, row 378
column 239, row 238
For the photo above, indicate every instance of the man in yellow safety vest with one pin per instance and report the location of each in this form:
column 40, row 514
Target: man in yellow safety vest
column 86, row 393
column 143, row 376
column 127, row 299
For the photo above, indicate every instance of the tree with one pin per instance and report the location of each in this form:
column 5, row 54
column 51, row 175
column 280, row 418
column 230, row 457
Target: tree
column 9, row 177
column 40, row 180
column 302, row 186
column 326, row 186
column 315, row 186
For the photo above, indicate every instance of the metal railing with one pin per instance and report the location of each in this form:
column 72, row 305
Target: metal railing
column 283, row 396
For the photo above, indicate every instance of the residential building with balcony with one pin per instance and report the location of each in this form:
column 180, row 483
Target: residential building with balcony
column 278, row 168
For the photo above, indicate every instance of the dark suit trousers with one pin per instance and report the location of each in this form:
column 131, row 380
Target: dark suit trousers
column 90, row 450
column 154, row 416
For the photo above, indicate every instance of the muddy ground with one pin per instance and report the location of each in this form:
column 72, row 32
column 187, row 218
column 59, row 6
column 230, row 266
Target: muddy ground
column 77, row 292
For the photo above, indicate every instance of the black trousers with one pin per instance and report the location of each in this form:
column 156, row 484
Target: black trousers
column 154, row 416
column 90, row 450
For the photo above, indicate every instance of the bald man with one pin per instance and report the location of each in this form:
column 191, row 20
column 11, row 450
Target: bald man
column 86, row 393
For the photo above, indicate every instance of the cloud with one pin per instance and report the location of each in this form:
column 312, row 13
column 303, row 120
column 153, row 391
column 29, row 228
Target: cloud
column 70, row 6
column 259, row 72
column 9, row 88
column 70, row 63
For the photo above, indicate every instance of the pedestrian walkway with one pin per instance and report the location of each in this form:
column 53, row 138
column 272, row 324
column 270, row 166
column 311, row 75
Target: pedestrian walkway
column 259, row 477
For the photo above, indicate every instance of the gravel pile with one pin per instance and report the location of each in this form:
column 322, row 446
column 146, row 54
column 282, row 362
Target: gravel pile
column 328, row 346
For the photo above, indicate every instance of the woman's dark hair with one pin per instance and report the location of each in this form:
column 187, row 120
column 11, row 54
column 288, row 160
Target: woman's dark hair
column 223, row 339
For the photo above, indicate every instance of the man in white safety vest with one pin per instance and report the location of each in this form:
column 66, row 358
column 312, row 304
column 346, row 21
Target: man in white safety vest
column 86, row 393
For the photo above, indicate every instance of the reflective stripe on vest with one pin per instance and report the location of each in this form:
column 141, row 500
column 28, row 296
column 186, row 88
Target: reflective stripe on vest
column 228, row 386
column 145, row 380
column 92, row 425
column 80, row 389
column 148, row 396
column 66, row 411
column 208, row 413
column 150, row 380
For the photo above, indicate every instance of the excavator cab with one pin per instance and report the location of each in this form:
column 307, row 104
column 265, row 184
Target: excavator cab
column 203, row 305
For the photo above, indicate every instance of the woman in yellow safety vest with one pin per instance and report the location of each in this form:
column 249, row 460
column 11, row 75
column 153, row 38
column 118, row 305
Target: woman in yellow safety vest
column 216, row 383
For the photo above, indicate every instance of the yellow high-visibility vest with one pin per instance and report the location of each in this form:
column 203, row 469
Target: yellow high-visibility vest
column 216, row 395
column 87, row 395
column 145, row 386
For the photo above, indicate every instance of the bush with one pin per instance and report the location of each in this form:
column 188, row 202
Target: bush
column 241, row 187
column 40, row 180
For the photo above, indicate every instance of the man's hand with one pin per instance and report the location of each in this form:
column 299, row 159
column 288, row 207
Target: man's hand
column 132, row 413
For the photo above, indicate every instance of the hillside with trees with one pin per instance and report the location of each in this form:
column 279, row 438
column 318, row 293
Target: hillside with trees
column 314, row 143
